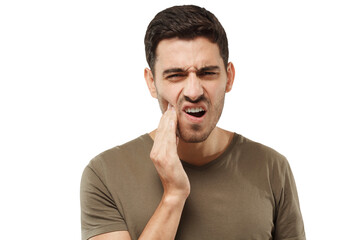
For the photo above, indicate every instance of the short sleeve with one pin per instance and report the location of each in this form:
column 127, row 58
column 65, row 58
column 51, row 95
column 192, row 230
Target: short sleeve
column 99, row 213
column 288, row 223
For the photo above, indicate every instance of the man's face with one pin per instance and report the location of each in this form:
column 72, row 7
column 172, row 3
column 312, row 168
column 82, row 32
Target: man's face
column 191, row 76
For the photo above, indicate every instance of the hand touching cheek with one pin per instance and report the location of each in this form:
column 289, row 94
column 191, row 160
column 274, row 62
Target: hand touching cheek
column 165, row 157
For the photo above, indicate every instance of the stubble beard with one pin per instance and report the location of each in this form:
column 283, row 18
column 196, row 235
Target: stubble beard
column 198, row 133
column 194, row 135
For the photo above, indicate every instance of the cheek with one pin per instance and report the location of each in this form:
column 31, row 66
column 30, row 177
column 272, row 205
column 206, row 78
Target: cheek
column 169, row 94
column 215, row 91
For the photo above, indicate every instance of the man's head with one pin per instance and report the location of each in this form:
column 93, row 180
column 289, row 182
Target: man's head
column 184, row 22
column 189, row 70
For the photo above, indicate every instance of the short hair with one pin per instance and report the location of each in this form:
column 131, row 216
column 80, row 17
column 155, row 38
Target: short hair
column 184, row 22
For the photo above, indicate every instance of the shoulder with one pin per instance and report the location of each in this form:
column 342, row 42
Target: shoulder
column 256, row 149
column 257, row 153
column 263, row 163
column 121, row 156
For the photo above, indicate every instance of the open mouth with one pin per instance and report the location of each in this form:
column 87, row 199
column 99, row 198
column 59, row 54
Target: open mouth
column 195, row 112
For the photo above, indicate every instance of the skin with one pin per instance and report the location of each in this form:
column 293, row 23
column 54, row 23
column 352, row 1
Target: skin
column 191, row 83
column 188, row 73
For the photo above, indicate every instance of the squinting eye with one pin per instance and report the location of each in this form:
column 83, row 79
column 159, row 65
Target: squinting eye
column 175, row 76
column 207, row 73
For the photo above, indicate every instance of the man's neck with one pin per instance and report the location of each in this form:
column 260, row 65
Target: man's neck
column 199, row 154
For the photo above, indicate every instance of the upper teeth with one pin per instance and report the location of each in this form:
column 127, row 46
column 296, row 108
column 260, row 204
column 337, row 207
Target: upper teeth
column 194, row 110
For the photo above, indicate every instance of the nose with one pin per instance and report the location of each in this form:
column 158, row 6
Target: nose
column 193, row 88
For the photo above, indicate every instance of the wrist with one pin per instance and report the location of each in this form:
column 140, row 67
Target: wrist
column 174, row 200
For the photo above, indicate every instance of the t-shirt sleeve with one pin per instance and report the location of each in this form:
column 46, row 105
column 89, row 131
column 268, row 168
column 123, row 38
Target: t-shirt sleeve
column 99, row 213
column 288, row 223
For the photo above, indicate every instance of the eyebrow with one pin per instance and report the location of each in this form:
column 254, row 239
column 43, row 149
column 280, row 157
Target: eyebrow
column 181, row 70
column 173, row 70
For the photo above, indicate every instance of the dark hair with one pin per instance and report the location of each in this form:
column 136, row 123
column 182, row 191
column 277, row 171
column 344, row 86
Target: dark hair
column 184, row 22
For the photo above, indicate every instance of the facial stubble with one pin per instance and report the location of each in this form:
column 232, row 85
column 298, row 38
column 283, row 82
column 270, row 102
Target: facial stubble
column 194, row 135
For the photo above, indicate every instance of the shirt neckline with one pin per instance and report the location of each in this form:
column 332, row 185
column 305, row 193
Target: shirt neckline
column 209, row 164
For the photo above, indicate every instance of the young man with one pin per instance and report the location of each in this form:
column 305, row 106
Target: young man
column 189, row 179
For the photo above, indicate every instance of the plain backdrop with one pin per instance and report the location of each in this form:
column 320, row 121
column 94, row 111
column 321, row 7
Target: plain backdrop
column 72, row 86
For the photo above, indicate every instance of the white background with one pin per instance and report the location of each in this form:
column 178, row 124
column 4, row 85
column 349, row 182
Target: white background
column 72, row 86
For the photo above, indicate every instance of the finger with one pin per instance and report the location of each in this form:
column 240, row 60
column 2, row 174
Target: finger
column 169, row 119
column 166, row 131
column 172, row 118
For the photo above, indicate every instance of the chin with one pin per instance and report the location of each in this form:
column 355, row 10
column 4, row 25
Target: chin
column 193, row 135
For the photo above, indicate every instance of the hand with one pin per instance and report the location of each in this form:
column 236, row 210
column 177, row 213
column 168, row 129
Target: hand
column 165, row 157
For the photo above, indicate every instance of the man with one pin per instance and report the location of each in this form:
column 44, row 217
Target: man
column 189, row 179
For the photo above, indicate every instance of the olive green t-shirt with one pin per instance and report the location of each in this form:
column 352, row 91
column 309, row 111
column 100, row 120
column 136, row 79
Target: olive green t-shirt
column 247, row 193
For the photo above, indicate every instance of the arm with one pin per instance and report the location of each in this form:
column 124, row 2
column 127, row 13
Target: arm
column 288, row 222
column 165, row 221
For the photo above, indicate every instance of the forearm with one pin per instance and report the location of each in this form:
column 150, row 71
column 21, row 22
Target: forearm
column 165, row 221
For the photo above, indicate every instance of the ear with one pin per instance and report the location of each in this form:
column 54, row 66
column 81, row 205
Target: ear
column 150, row 81
column 230, row 72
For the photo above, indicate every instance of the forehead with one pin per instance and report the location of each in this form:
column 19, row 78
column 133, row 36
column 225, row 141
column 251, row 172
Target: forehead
column 184, row 53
